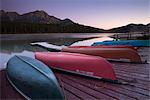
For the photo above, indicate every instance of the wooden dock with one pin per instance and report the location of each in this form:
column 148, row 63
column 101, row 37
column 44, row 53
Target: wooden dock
column 131, row 36
column 77, row 87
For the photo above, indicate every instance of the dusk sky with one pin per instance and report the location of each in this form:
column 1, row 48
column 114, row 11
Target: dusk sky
column 104, row 14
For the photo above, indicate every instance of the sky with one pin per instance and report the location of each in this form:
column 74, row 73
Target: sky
column 104, row 14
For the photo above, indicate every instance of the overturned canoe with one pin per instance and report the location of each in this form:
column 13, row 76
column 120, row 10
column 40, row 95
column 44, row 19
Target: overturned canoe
column 33, row 79
column 91, row 66
column 104, row 46
column 121, row 54
column 56, row 48
column 135, row 43
column 116, row 52
column 49, row 47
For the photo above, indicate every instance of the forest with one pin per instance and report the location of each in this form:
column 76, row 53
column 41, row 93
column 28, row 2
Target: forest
column 19, row 27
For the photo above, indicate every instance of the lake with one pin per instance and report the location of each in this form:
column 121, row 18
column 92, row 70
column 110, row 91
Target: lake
column 49, row 36
column 20, row 44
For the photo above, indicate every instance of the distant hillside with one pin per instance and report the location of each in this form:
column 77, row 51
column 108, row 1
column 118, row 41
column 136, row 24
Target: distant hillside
column 36, row 17
column 131, row 28
column 41, row 22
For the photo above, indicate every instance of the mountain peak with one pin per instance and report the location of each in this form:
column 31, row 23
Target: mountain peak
column 41, row 12
column 67, row 21
column 36, row 13
column 38, row 16
column 8, row 16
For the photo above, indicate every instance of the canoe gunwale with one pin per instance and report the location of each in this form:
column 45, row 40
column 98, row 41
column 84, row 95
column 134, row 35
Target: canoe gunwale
column 94, row 77
column 89, row 76
column 77, row 73
column 116, row 60
column 20, row 92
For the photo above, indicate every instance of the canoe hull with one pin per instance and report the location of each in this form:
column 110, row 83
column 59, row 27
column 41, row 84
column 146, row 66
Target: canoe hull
column 105, row 46
column 135, row 43
column 78, row 63
column 32, row 79
column 109, row 53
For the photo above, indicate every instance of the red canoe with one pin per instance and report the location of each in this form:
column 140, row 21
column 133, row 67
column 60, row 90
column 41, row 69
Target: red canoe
column 105, row 46
column 122, row 54
column 82, row 64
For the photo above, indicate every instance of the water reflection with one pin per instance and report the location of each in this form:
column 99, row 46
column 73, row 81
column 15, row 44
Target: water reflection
column 16, row 46
column 89, row 42
column 11, row 48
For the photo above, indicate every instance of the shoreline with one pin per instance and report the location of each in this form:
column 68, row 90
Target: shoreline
column 78, row 36
column 48, row 36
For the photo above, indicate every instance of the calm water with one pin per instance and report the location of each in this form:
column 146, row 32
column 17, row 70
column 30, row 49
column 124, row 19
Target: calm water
column 46, row 36
column 20, row 46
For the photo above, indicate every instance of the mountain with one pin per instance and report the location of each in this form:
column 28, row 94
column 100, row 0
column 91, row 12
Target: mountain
column 8, row 16
column 131, row 28
column 40, row 22
column 39, row 17
column 66, row 21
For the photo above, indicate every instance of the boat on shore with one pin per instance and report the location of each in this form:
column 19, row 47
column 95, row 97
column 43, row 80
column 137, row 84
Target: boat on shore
column 52, row 47
column 117, row 54
column 91, row 66
column 33, row 79
column 135, row 43
column 105, row 46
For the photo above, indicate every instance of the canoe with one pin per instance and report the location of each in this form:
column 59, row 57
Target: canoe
column 91, row 66
column 118, row 54
column 56, row 48
column 49, row 47
column 33, row 79
column 105, row 46
column 135, row 43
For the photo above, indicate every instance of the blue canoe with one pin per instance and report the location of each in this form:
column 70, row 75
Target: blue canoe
column 135, row 43
column 33, row 79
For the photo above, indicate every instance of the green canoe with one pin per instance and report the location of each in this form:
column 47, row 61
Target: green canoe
column 33, row 79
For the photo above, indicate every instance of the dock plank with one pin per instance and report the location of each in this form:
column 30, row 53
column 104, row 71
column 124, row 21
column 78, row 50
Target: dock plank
column 87, row 90
column 70, row 96
column 78, row 92
column 125, row 93
column 103, row 90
